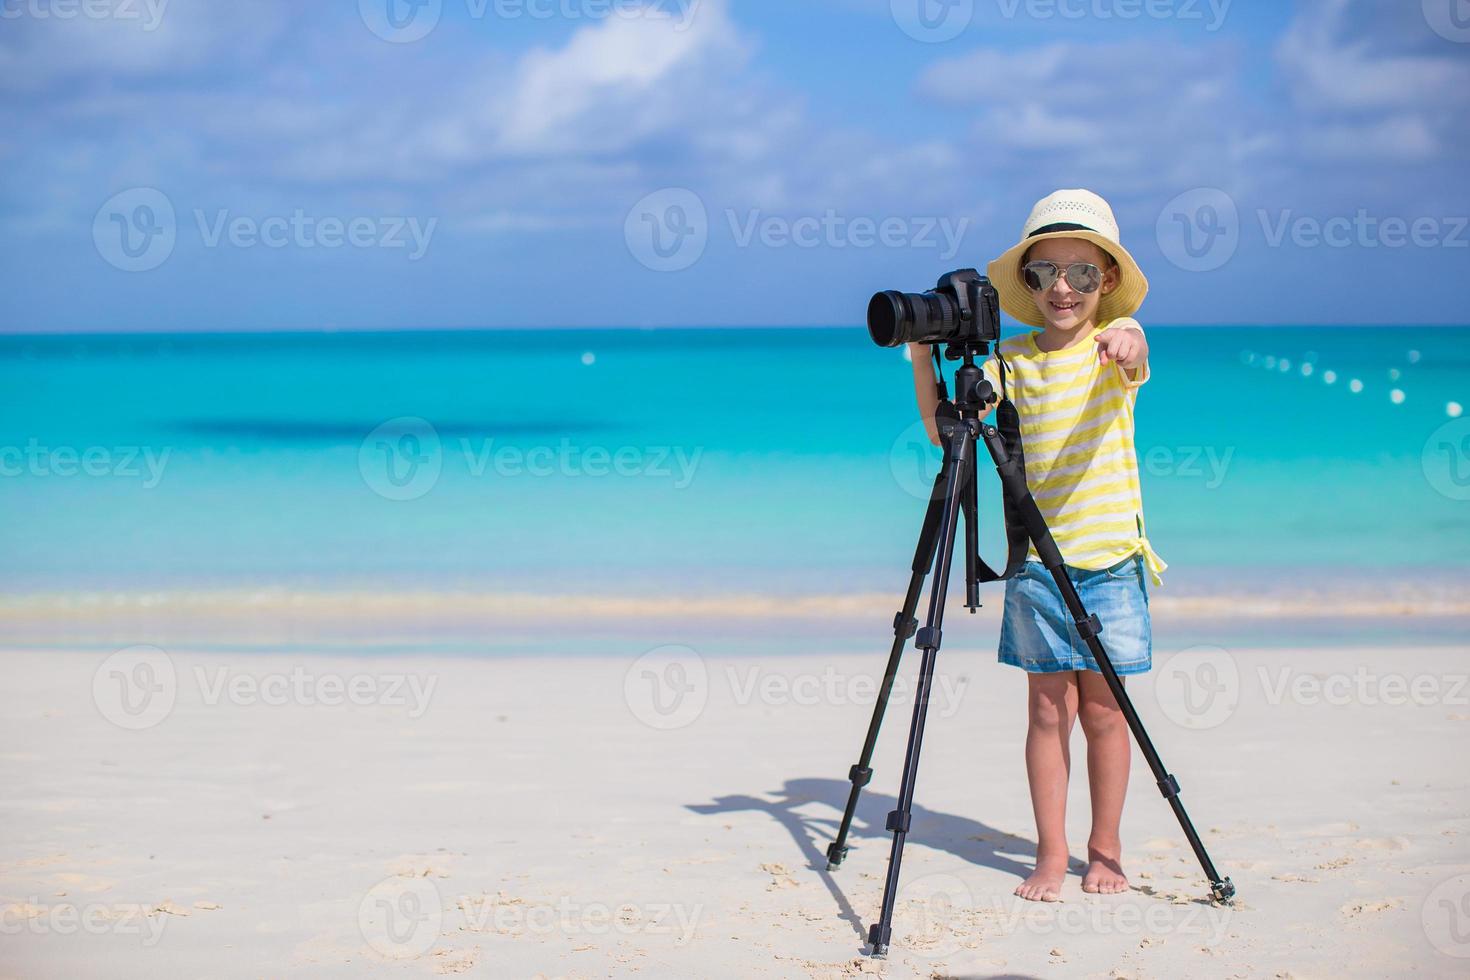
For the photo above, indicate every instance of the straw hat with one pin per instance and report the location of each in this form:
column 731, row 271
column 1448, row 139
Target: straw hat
column 1069, row 214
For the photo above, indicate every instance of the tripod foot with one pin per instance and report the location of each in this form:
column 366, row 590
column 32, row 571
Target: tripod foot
column 835, row 855
column 1222, row 891
column 878, row 940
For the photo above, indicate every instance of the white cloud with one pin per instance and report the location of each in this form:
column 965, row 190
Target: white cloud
column 1331, row 63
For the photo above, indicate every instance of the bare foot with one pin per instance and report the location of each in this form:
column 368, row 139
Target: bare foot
column 1045, row 883
column 1104, row 875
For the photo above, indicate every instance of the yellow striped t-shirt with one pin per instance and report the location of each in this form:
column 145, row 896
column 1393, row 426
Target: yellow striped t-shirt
column 1077, row 437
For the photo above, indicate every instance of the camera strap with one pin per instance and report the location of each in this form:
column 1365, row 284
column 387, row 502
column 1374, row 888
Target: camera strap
column 1008, row 424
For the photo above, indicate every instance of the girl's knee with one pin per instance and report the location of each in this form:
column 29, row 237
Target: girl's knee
column 1100, row 718
column 1052, row 702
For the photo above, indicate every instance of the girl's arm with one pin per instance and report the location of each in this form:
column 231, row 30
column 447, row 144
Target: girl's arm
column 924, row 388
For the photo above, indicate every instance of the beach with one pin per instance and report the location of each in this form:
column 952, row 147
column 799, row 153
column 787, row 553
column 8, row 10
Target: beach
column 311, row 813
column 380, row 669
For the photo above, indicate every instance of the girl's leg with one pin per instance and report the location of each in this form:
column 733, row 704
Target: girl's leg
column 1051, row 709
column 1109, row 752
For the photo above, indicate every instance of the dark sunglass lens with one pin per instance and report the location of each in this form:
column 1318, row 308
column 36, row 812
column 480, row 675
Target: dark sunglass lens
column 1040, row 275
column 1084, row 276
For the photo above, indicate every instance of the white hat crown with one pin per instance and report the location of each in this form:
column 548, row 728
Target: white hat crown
column 1075, row 206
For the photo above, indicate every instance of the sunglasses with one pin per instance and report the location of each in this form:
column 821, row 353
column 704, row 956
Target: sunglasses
column 1081, row 276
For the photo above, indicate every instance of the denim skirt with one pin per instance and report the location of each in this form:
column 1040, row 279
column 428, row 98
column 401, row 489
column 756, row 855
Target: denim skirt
column 1037, row 633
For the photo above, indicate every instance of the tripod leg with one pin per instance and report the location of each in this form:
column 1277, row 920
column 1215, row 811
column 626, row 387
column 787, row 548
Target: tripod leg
column 959, row 447
column 972, row 538
column 903, row 628
column 1089, row 626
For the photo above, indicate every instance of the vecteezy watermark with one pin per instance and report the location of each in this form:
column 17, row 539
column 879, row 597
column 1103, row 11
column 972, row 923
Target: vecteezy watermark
column 406, row 21
column 834, row 230
column 403, row 458
column 915, row 461
column 401, row 917
column 568, row 459
column 1362, row 230
column 934, row 913
column 670, row 687
column 1200, row 230
column 137, row 688
column 136, row 230
column 1450, row 19
column 568, row 917
column 667, row 687
column 932, row 21
column 305, row 688
column 147, row 13
column 1445, row 459
column 668, row 230
column 766, row 685
column 1206, row 463
column 121, row 462
column 36, row 918
column 1202, row 923
column 1198, row 687
column 1201, row 687
column 1445, row 916
column 1362, row 686
column 1210, row 13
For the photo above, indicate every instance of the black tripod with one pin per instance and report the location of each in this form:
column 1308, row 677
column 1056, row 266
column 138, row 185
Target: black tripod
column 960, row 426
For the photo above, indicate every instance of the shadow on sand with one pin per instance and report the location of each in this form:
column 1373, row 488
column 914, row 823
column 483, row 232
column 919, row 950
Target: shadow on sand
column 969, row 839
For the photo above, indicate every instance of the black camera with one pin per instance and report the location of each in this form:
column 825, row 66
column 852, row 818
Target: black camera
column 962, row 307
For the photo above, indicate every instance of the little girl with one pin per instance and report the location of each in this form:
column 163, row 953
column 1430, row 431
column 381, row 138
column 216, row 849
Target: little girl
column 1074, row 383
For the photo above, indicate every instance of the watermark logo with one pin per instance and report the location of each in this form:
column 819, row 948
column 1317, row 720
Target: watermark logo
column 135, row 688
column 932, row 21
column 121, row 462
column 1446, row 917
column 1199, row 687
column 1199, row 230
column 135, row 230
column 1122, row 10
column 931, row 913
column 149, row 13
column 667, row 687
column 401, row 459
column 831, row 229
column 915, row 462
column 667, row 231
column 1446, row 459
column 1450, row 19
column 401, row 917
column 91, row 918
column 1207, row 464
column 766, row 685
column 567, row 917
column 400, row 21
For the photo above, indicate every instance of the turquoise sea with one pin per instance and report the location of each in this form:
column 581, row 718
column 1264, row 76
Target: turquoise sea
column 676, row 460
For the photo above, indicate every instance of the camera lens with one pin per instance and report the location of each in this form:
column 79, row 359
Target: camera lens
column 896, row 318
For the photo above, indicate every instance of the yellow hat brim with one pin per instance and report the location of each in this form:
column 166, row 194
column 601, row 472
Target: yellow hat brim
column 1018, row 301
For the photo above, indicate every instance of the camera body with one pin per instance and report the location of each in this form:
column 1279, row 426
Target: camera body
column 962, row 308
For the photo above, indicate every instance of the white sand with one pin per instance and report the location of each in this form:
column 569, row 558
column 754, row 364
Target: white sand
column 523, row 817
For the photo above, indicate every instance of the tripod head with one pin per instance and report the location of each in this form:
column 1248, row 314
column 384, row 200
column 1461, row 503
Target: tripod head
column 972, row 393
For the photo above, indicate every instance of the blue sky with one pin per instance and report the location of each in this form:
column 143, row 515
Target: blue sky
column 194, row 165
